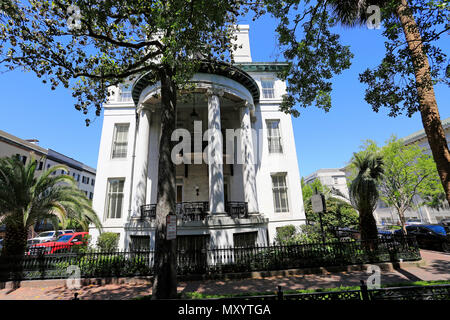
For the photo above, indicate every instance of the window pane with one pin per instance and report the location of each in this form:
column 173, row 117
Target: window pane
column 274, row 136
column 120, row 142
column 268, row 89
column 115, row 198
column 280, row 196
column 125, row 93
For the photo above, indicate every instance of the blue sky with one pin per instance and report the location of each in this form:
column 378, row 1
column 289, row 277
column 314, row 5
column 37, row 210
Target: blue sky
column 29, row 109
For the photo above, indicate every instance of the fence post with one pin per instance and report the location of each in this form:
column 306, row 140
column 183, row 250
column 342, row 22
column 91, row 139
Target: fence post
column 280, row 293
column 364, row 291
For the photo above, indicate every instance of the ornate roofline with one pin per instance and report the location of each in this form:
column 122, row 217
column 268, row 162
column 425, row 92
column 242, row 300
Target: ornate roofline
column 236, row 73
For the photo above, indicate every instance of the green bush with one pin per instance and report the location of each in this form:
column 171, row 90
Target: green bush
column 108, row 241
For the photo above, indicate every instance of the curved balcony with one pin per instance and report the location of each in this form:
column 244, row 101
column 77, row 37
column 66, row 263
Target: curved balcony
column 197, row 211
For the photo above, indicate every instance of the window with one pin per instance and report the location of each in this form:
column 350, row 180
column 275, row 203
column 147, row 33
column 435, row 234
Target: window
column 87, row 180
column 274, row 136
column 245, row 239
column 120, row 142
column 139, row 243
column 91, row 196
column 21, row 158
column 125, row 93
column 93, row 182
column 268, row 89
column 280, row 195
column 41, row 165
column 114, row 198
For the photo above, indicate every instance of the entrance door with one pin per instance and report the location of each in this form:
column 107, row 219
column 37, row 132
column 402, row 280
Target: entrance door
column 192, row 253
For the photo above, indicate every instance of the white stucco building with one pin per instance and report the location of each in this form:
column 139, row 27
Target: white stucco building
column 241, row 201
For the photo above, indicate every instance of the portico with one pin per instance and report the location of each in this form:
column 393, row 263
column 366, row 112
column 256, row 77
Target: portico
column 215, row 175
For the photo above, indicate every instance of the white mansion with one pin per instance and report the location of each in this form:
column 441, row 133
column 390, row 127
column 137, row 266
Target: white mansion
column 219, row 203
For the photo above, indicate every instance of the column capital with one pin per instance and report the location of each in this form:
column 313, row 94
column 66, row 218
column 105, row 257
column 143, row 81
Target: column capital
column 215, row 92
column 142, row 107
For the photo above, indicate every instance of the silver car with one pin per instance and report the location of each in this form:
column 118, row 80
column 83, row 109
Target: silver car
column 48, row 236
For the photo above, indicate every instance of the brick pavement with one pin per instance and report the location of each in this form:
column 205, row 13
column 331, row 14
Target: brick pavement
column 437, row 267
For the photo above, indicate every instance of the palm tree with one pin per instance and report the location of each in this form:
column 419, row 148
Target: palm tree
column 363, row 191
column 26, row 198
column 353, row 13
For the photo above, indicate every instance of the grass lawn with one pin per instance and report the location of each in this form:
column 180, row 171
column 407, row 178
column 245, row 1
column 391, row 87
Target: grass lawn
column 197, row 295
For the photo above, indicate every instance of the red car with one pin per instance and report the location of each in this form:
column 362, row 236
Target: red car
column 64, row 243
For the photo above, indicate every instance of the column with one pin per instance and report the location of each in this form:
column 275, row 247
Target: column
column 215, row 153
column 141, row 161
column 248, row 161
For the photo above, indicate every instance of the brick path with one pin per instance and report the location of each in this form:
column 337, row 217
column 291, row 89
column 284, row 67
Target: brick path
column 437, row 268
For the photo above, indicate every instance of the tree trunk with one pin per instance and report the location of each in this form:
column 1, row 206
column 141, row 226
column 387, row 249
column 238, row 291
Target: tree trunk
column 165, row 281
column 367, row 225
column 15, row 241
column 428, row 106
column 13, row 251
column 401, row 215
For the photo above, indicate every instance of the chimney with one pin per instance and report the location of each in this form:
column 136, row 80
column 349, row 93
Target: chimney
column 242, row 54
column 33, row 141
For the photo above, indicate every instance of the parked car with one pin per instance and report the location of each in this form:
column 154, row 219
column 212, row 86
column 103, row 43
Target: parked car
column 446, row 224
column 429, row 236
column 64, row 243
column 48, row 236
column 385, row 233
column 412, row 222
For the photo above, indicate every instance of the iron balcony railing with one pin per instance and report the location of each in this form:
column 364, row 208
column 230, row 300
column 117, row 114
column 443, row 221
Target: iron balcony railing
column 197, row 211
column 237, row 209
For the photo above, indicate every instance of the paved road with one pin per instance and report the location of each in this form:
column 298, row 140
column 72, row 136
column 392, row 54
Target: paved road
column 437, row 268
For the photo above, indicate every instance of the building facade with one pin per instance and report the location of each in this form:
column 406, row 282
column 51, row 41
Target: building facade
column 237, row 177
column 26, row 150
column 332, row 178
column 11, row 145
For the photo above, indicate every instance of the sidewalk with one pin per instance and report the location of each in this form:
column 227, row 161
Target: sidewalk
column 437, row 268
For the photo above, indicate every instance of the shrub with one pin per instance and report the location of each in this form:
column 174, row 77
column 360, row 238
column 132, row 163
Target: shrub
column 108, row 241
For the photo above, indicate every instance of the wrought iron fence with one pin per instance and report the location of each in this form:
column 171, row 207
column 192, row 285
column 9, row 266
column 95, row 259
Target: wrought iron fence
column 53, row 264
column 427, row 292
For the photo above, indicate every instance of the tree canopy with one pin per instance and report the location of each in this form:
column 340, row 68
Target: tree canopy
column 90, row 45
column 409, row 177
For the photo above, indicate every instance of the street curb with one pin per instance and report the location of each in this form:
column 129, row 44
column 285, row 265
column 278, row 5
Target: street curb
column 386, row 266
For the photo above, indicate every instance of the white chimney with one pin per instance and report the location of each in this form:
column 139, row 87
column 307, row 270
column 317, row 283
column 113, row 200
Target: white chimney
column 242, row 54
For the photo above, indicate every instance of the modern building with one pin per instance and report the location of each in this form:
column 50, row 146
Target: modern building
column 27, row 149
column 237, row 191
